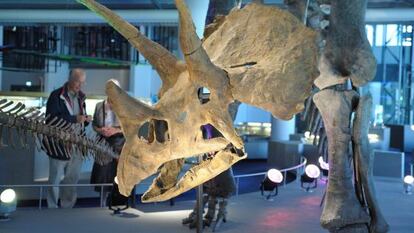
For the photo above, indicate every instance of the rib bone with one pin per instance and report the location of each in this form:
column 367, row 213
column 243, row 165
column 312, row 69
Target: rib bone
column 51, row 135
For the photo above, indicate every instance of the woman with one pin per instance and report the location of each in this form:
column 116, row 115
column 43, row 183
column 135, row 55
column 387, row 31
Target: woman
column 107, row 126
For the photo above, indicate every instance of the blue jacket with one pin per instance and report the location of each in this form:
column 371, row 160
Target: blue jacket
column 59, row 104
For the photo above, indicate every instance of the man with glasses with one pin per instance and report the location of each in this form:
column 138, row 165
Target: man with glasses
column 67, row 103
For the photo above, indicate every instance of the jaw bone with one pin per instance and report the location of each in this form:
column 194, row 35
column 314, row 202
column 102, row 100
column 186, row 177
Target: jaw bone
column 195, row 176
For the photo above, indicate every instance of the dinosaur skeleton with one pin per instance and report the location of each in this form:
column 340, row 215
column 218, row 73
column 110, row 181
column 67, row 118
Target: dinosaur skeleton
column 229, row 78
column 49, row 136
column 265, row 57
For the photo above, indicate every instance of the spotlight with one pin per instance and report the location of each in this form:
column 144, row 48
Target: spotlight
column 269, row 185
column 408, row 185
column 7, row 204
column 308, row 179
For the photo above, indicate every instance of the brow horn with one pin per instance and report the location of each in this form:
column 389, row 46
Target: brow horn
column 198, row 62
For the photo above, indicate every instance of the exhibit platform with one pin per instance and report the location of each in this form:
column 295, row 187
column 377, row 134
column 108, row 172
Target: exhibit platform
column 292, row 211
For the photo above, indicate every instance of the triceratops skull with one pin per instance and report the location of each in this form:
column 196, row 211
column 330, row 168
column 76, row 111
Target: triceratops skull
column 179, row 105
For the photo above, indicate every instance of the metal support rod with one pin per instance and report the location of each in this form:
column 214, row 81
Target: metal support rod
column 305, row 15
column 200, row 204
column 101, row 196
column 40, row 197
column 237, row 186
column 411, row 77
column 297, row 175
column 400, row 89
column 383, row 62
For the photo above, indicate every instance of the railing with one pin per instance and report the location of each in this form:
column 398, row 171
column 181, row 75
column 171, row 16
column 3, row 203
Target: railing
column 284, row 171
column 41, row 186
column 237, row 178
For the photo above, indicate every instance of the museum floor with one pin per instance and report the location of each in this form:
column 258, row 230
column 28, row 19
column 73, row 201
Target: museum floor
column 292, row 211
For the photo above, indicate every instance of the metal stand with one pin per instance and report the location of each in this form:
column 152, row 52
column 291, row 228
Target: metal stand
column 200, row 206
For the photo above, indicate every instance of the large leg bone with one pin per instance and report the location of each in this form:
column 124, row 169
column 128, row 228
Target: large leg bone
column 342, row 208
column 364, row 158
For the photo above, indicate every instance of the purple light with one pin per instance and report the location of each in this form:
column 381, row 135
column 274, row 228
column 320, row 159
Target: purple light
column 275, row 175
column 312, row 171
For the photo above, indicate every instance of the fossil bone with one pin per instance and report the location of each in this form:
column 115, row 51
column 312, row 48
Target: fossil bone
column 49, row 135
column 347, row 56
column 342, row 207
column 347, row 53
column 364, row 158
column 276, row 73
column 287, row 65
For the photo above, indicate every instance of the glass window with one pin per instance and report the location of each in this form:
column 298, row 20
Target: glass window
column 392, row 35
column 407, row 35
column 379, row 31
column 369, row 29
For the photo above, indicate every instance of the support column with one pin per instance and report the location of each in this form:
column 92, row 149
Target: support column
column 140, row 80
column 141, row 59
column 282, row 129
column 141, row 75
column 283, row 153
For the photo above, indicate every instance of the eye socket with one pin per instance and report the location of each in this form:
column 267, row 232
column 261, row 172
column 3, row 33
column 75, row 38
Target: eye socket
column 203, row 95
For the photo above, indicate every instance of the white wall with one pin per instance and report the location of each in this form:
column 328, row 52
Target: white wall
column 97, row 78
column 54, row 80
column 140, row 80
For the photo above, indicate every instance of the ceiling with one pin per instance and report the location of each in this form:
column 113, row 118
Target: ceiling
column 158, row 4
